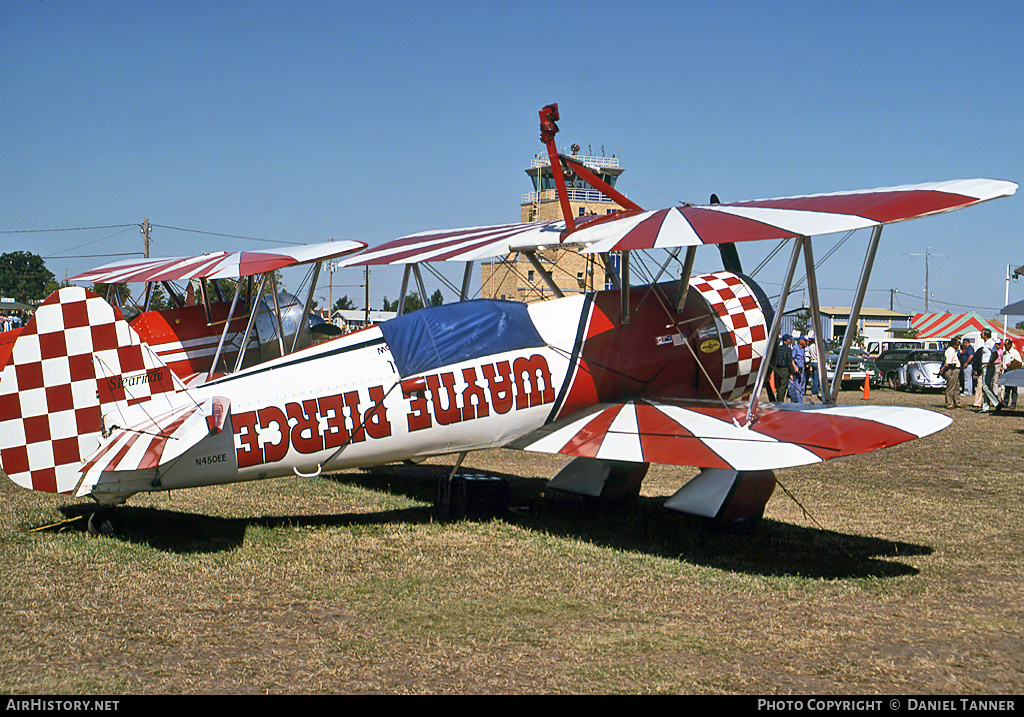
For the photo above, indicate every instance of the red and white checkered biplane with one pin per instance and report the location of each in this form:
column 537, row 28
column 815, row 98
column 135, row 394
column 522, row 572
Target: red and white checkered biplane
column 668, row 373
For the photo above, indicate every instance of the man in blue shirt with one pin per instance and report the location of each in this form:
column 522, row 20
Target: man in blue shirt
column 798, row 379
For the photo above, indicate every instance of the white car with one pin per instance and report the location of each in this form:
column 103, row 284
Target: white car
column 921, row 371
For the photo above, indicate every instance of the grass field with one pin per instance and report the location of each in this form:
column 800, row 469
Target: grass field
column 894, row 572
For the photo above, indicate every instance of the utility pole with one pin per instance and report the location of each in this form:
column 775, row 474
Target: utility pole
column 927, row 255
column 330, row 288
column 892, row 292
column 145, row 252
column 366, row 319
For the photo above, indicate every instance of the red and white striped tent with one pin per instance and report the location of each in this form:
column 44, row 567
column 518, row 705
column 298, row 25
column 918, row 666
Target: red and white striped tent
column 946, row 325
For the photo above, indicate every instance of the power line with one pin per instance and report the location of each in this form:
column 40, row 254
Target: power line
column 65, row 229
column 228, row 236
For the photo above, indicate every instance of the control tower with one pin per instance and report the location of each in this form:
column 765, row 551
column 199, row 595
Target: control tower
column 513, row 277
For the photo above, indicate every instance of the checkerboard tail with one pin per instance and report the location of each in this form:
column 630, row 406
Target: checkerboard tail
column 75, row 361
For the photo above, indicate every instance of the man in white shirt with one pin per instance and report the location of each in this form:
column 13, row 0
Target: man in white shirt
column 951, row 372
column 989, row 357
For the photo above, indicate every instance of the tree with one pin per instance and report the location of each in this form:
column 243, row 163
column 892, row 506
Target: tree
column 118, row 294
column 413, row 302
column 1019, row 325
column 344, row 304
column 24, row 276
column 802, row 321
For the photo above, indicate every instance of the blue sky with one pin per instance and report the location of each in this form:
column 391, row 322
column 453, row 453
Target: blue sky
column 299, row 121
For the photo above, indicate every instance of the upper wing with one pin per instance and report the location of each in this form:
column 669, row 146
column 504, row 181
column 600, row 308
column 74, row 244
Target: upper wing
column 693, row 433
column 789, row 216
column 693, row 225
column 462, row 244
column 216, row 265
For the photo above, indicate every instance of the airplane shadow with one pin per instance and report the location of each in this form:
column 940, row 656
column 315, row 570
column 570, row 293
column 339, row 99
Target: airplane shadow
column 772, row 548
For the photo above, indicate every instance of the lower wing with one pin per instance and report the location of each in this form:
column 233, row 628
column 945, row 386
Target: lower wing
column 704, row 435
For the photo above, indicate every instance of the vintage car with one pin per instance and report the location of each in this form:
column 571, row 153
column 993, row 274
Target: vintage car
column 921, row 371
column 912, row 369
column 859, row 366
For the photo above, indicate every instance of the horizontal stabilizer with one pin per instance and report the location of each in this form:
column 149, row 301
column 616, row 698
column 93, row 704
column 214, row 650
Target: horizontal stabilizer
column 706, row 435
column 155, row 440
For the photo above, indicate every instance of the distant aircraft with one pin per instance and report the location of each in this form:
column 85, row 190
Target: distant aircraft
column 199, row 338
column 665, row 373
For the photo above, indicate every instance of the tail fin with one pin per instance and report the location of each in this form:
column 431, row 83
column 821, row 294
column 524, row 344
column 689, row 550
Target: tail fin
column 76, row 360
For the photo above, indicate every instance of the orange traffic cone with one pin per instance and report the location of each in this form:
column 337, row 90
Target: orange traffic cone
column 867, row 389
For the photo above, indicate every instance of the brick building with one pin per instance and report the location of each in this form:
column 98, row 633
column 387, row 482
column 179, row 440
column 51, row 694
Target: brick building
column 513, row 277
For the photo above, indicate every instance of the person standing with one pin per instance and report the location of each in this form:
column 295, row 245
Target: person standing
column 989, row 360
column 1011, row 361
column 812, row 366
column 966, row 375
column 951, row 372
column 798, row 379
column 783, row 366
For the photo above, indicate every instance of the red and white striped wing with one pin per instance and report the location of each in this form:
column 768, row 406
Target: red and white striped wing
column 786, row 217
column 712, row 436
column 462, row 244
column 216, row 265
column 694, row 225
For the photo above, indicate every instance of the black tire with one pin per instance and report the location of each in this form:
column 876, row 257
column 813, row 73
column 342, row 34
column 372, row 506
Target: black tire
column 100, row 523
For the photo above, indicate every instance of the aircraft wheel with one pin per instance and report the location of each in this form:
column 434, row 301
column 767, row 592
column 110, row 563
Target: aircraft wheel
column 101, row 522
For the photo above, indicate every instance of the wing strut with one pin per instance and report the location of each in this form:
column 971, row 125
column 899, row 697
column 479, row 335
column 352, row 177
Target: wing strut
column 253, row 299
column 819, row 338
column 624, row 283
column 851, row 326
column 544, row 273
column 224, row 333
column 684, row 277
column 303, row 322
column 773, row 335
column 277, row 313
column 400, row 309
column 466, row 278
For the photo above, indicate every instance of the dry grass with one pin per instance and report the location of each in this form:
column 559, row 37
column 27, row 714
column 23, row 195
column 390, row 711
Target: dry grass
column 905, row 576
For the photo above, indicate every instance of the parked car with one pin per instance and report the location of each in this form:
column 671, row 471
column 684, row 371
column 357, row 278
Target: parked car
column 921, row 371
column 889, row 361
column 912, row 369
column 858, row 367
column 870, row 367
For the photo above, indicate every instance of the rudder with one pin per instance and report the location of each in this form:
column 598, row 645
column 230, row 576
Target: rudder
column 75, row 360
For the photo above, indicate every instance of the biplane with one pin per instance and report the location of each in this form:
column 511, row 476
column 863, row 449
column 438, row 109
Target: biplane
column 669, row 372
column 201, row 332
